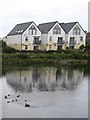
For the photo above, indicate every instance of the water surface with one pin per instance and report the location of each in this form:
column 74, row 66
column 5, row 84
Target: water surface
column 51, row 92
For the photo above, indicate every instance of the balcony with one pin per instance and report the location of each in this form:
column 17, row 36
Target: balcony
column 60, row 42
column 72, row 43
column 37, row 42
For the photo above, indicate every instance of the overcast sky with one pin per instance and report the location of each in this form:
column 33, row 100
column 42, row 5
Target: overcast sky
column 13, row 12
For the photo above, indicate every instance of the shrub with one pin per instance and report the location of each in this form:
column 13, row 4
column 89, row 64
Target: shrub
column 81, row 47
column 23, row 56
column 7, row 49
column 87, row 47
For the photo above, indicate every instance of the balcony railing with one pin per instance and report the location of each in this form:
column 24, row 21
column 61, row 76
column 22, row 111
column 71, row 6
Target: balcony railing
column 72, row 43
column 37, row 42
column 61, row 42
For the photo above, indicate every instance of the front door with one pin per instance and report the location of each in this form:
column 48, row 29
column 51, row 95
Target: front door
column 36, row 48
column 59, row 47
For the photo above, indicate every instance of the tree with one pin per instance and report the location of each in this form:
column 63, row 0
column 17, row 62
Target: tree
column 6, row 49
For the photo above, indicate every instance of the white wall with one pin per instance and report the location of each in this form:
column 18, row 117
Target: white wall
column 15, row 39
column 30, row 37
column 44, row 38
column 55, row 37
column 77, row 37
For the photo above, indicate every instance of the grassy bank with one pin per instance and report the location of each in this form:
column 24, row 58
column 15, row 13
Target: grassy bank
column 65, row 57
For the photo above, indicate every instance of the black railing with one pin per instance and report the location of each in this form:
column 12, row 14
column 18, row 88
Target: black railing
column 37, row 42
column 60, row 42
column 72, row 42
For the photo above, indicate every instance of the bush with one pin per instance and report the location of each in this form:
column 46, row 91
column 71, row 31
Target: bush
column 81, row 47
column 87, row 47
column 23, row 56
column 7, row 49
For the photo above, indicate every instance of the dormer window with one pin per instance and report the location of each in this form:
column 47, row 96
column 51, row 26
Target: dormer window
column 32, row 30
column 76, row 30
column 56, row 30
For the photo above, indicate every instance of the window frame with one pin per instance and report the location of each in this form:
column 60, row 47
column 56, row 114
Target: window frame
column 50, row 38
column 81, row 38
column 26, row 47
column 26, row 39
column 32, row 30
column 72, row 40
column 56, row 30
column 76, row 30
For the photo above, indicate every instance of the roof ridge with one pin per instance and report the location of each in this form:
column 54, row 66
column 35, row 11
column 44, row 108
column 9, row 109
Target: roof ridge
column 24, row 23
column 48, row 22
column 70, row 22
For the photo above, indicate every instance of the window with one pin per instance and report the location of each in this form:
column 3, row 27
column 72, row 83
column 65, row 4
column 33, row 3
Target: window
column 56, row 30
column 32, row 30
column 60, row 40
column 72, row 47
column 50, row 47
column 50, row 38
column 76, row 30
column 72, row 39
column 26, row 47
column 81, row 38
column 26, row 38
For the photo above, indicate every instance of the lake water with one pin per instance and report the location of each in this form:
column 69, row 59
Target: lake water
column 51, row 92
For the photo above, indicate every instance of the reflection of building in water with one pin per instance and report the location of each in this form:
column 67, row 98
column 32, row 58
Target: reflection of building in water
column 47, row 79
column 69, row 78
column 44, row 79
column 20, row 80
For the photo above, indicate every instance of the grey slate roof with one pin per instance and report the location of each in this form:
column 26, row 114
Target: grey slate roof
column 19, row 28
column 45, row 27
column 67, row 26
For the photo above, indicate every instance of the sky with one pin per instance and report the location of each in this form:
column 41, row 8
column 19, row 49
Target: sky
column 13, row 12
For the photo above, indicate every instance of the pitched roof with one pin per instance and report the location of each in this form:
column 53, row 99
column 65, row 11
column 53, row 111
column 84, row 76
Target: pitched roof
column 67, row 26
column 19, row 28
column 45, row 27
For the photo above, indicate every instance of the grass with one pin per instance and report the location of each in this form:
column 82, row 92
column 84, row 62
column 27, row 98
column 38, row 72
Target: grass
column 45, row 58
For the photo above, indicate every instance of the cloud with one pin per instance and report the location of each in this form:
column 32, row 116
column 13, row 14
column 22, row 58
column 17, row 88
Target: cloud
column 17, row 11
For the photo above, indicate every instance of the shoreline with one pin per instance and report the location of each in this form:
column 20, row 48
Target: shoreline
column 24, row 59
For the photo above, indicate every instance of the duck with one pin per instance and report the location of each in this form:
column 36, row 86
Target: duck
column 12, row 100
column 18, row 96
column 8, row 101
column 5, row 97
column 27, row 105
column 8, row 94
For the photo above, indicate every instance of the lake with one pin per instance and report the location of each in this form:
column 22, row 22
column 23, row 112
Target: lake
column 50, row 92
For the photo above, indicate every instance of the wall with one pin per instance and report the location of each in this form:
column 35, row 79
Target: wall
column 44, row 38
column 77, row 37
column 14, row 41
column 30, row 38
column 54, row 41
